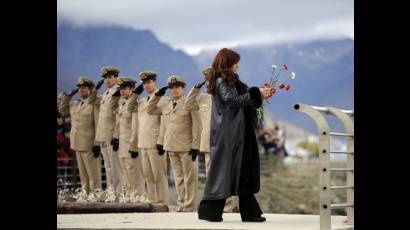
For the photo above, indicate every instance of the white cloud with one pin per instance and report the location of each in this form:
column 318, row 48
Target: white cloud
column 206, row 24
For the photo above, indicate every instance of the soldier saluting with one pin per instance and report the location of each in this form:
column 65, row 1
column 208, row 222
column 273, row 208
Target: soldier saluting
column 181, row 129
column 145, row 141
column 130, row 163
column 105, row 129
column 84, row 118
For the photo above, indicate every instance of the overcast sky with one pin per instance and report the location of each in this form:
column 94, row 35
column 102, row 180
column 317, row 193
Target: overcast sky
column 194, row 25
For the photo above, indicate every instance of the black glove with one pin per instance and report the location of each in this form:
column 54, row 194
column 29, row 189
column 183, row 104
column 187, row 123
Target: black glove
column 96, row 151
column 117, row 93
column 139, row 89
column 200, row 84
column 161, row 92
column 160, row 149
column 99, row 84
column 133, row 154
column 115, row 144
column 74, row 91
column 194, row 153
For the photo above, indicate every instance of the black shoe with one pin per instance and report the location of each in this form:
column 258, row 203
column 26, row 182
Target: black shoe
column 211, row 219
column 254, row 219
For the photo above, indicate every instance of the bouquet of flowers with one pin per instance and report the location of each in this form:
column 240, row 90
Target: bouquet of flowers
column 274, row 84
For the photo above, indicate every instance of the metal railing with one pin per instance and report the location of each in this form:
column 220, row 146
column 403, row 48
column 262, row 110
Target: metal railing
column 317, row 114
column 70, row 173
column 67, row 172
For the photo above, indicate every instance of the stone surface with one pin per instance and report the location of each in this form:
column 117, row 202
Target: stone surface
column 173, row 220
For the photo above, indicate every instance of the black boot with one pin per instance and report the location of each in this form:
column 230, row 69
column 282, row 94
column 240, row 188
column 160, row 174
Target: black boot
column 220, row 219
column 211, row 210
column 254, row 219
column 250, row 210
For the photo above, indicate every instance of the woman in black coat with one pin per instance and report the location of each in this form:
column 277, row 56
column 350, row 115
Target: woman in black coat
column 234, row 169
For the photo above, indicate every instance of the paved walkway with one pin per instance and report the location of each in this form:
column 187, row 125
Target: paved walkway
column 173, row 220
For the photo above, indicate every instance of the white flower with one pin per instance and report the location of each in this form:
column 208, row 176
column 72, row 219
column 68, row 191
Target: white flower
column 81, row 195
column 274, row 69
column 61, row 196
column 134, row 198
column 123, row 196
column 144, row 198
column 99, row 195
column 292, row 75
column 92, row 197
column 110, row 195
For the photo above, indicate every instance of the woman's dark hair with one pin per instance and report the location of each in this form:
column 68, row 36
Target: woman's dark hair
column 222, row 67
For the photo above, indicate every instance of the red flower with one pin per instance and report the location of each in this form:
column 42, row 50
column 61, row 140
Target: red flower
column 281, row 86
column 285, row 66
column 287, row 88
column 273, row 90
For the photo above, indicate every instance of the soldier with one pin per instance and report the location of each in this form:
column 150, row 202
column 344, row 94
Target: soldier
column 84, row 118
column 131, row 164
column 145, row 136
column 105, row 130
column 204, row 106
column 181, row 130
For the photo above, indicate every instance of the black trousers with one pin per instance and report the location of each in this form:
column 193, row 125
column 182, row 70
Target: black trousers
column 213, row 209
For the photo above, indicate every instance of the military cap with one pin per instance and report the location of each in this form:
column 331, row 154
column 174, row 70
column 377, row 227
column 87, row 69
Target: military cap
column 147, row 75
column 206, row 71
column 175, row 80
column 126, row 81
column 108, row 70
column 83, row 81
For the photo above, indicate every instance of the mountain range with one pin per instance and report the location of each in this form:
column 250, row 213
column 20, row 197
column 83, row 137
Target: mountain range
column 324, row 68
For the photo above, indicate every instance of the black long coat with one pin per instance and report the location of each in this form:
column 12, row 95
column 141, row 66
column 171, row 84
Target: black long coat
column 235, row 166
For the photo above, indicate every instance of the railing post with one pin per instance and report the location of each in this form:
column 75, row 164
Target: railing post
column 349, row 127
column 324, row 161
column 324, row 157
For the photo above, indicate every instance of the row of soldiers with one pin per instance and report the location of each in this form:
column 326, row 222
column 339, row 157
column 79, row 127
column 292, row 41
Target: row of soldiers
column 135, row 135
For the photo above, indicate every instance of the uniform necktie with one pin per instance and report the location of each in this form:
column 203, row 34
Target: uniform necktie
column 173, row 105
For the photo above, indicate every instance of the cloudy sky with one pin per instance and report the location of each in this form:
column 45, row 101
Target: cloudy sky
column 194, row 25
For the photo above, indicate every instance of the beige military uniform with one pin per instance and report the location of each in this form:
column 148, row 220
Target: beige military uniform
column 84, row 114
column 105, row 133
column 131, row 168
column 145, row 136
column 204, row 105
column 181, row 132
